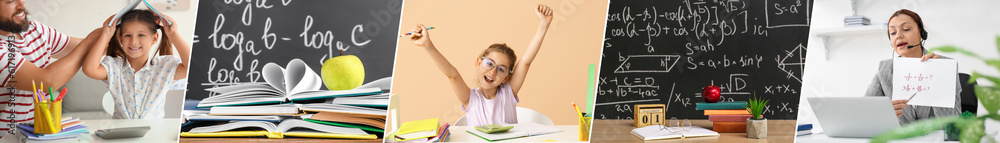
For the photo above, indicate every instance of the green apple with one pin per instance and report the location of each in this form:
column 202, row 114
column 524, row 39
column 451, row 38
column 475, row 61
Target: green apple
column 343, row 72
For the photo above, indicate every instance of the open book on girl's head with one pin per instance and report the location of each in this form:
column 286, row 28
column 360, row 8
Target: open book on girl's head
column 297, row 81
column 132, row 6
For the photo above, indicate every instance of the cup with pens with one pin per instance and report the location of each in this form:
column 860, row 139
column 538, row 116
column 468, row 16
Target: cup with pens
column 48, row 109
column 584, row 124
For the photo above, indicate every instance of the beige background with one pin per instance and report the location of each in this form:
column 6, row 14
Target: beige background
column 464, row 29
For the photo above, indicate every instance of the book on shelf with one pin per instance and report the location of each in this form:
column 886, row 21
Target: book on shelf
column 287, row 128
column 297, row 81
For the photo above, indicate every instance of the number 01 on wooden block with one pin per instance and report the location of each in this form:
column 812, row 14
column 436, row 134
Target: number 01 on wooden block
column 649, row 114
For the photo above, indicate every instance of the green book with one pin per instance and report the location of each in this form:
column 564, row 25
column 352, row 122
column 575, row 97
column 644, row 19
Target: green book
column 721, row 105
column 362, row 127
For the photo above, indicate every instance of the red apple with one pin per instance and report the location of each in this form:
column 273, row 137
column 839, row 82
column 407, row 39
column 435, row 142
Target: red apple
column 711, row 93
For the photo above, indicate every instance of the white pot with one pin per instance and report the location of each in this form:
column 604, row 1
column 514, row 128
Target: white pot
column 756, row 129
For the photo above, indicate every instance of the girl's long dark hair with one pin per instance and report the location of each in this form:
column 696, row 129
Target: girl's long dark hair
column 145, row 16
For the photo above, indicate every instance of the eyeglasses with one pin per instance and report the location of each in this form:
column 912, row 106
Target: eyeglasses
column 488, row 64
column 676, row 126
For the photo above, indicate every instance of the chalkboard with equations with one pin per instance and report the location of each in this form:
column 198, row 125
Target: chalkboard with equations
column 234, row 39
column 665, row 52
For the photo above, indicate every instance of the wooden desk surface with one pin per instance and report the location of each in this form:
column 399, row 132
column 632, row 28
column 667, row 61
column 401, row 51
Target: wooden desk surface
column 620, row 131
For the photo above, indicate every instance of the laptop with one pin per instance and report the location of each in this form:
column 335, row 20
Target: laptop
column 854, row 117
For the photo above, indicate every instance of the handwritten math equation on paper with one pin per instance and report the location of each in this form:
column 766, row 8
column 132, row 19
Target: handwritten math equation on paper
column 918, row 77
column 933, row 81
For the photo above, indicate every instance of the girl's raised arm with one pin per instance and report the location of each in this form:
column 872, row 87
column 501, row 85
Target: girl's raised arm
column 92, row 63
column 544, row 14
column 183, row 49
column 422, row 39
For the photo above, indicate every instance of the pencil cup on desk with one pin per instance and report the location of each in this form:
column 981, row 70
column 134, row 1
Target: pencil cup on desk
column 48, row 117
column 585, row 128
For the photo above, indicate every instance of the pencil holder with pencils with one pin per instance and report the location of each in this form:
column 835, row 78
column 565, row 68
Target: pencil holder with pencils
column 48, row 117
column 585, row 128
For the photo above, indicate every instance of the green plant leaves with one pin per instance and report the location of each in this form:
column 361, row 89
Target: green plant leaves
column 756, row 107
column 914, row 129
column 953, row 49
column 972, row 131
column 998, row 43
column 988, row 96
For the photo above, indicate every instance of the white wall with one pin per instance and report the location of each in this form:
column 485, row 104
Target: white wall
column 78, row 18
column 847, row 68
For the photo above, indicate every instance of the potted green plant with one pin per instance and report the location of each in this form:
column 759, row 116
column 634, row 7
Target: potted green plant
column 971, row 130
column 756, row 125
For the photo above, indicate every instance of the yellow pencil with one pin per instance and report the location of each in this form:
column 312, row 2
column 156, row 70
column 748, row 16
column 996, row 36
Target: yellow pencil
column 33, row 89
column 578, row 113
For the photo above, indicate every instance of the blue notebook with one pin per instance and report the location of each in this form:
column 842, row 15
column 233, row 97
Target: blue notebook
column 721, row 105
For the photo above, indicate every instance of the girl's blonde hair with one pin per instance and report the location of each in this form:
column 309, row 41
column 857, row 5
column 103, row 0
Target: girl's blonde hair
column 145, row 16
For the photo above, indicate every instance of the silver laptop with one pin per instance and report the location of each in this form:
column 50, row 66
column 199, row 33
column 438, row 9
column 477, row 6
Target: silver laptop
column 859, row 117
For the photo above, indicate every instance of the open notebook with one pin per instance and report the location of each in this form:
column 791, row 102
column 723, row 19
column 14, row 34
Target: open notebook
column 523, row 129
column 296, row 81
column 288, row 127
column 655, row 132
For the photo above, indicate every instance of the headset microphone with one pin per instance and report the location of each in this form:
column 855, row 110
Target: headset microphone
column 911, row 46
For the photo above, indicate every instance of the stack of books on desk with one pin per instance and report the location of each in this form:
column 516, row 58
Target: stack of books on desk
column 72, row 130
column 856, row 20
column 291, row 98
column 313, row 120
column 726, row 117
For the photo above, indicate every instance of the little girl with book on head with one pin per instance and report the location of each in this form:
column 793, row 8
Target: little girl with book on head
column 138, row 82
column 495, row 98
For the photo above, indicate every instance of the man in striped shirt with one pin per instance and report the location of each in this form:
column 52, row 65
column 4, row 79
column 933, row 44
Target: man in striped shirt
column 28, row 54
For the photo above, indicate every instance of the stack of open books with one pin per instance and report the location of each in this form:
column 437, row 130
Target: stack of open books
column 290, row 104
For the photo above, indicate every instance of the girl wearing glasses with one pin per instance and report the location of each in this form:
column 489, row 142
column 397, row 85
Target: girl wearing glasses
column 494, row 100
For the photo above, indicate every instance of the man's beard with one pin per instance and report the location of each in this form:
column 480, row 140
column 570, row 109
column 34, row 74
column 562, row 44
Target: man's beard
column 9, row 25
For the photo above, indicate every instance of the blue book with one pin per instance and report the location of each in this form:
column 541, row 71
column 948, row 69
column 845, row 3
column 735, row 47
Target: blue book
column 805, row 127
column 721, row 105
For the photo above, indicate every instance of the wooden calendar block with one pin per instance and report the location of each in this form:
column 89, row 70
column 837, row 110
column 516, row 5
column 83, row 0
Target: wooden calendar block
column 649, row 114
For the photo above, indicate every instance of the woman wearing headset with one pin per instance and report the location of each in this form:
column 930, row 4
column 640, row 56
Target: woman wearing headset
column 906, row 35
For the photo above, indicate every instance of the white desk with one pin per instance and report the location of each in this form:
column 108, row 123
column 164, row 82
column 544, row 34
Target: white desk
column 936, row 136
column 569, row 134
column 160, row 130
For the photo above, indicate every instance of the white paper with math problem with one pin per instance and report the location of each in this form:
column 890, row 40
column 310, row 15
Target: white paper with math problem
column 930, row 83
